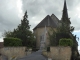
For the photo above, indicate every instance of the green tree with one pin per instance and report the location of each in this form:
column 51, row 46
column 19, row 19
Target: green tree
column 22, row 32
column 65, row 31
column 65, row 28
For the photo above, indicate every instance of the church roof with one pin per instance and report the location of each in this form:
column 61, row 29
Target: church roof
column 48, row 22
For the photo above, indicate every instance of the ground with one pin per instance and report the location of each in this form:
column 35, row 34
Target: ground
column 34, row 56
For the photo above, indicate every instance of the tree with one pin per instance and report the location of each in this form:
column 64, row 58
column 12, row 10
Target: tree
column 22, row 32
column 65, row 31
column 65, row 28
column 62, row 31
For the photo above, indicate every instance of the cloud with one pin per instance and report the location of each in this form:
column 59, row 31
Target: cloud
column 38, row 9
column 11, row 12
column 41, row 8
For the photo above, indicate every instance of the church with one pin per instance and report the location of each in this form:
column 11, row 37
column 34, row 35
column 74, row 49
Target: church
column 42, row 29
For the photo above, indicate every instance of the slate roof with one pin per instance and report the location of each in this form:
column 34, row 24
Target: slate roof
column 56, row 20
column 48, row 22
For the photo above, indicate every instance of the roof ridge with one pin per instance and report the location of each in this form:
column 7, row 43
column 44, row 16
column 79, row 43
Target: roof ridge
column 55, row 16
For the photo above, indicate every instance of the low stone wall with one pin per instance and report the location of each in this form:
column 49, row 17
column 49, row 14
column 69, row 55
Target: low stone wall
column 59, row 53
column 13, row 52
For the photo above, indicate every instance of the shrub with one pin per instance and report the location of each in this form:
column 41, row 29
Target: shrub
column 65, row 42
column 10, row 41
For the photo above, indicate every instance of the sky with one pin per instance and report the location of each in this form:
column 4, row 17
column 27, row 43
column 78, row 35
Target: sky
column 12, row 11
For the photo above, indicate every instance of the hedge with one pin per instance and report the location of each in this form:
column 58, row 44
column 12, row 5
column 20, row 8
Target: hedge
column 10, row 41
column 65, row 42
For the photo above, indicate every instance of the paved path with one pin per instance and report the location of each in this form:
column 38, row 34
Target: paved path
column 4, row 57
column 34, row 56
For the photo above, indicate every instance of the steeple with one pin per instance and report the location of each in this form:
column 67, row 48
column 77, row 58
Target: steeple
column 65, row 14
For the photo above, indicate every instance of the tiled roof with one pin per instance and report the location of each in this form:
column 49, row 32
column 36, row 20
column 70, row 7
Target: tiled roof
column 47, row 21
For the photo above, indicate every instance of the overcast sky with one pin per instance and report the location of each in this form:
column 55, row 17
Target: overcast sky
column 11, row 12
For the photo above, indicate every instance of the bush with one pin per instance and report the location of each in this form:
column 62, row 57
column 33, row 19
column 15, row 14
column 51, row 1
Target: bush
column 65, row 42
column 10, row 41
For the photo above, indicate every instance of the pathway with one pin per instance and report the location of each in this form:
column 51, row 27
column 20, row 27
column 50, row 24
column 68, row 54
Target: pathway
column 34, row 56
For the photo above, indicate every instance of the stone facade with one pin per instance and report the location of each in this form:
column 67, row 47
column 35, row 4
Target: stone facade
column 38, row 32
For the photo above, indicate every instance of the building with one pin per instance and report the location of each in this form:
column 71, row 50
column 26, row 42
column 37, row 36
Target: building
column 41, row 30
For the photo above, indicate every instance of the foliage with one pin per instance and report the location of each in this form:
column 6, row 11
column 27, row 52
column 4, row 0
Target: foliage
column 60, row 36
column 23, row 32
column 10, row 41
column 65, row 28
column 56, row 36
column 65, row 42
column 31, row 41
column 7, row 34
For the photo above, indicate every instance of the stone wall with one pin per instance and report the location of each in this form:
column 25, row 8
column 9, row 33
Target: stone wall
column 60, row 53
column 0, row 58
column 13, row 52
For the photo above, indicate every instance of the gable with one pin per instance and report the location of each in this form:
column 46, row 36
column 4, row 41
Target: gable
column 48, row 21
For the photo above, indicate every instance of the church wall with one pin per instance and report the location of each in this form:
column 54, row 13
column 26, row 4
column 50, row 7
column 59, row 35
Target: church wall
column 38, row 32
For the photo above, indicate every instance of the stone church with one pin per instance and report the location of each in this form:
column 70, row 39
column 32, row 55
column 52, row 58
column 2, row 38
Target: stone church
column 42, row 29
